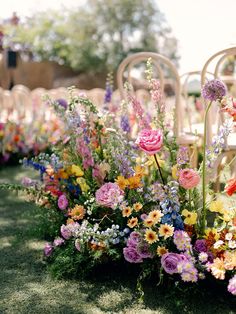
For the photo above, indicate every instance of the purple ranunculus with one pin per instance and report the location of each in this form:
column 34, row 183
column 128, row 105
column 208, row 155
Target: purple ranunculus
column 131, row 255
column 232, row 285
column 170, row 261
column 214, row 90
column 62, row 202
column 200, row 245
column 62, row 102
column 143, row 250
column 58, row 241
column 48, row 249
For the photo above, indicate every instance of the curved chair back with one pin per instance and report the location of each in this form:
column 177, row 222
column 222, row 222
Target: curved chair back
column 159, row 61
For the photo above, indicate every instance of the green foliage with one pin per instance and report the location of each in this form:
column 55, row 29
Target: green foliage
column 96, row 36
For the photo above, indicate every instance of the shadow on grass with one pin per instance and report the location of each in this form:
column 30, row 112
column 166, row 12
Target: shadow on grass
column 27, row 288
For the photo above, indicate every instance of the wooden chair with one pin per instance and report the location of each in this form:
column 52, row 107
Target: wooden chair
column 162, row 66
column 229, row 152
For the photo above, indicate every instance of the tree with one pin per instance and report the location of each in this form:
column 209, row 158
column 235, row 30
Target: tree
column 97, row 36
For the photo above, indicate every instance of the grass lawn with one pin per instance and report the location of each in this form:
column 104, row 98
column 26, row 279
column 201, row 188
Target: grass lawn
column 26, row 287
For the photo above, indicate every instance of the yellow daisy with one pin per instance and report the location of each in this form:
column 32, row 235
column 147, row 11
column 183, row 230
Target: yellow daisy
column 137, row 207
column 166, row 231
column 155, row 215
column 77, row 171
column 191, row 217
column 161, row 250
column 132, row 222
column 148, row 222
column 134, row 182
column 151, row 236
column 83, row 185
column 139, row 170
column 126, row 212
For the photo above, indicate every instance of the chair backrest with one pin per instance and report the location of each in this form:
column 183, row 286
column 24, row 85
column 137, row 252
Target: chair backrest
column 159, row 61
column 216, row 61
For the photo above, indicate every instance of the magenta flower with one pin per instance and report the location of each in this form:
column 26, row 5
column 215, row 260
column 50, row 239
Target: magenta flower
column 131, row 255
column 48, row 249
column 200, row 245
column 62, row 202
column 109, row 195
column 214, row 90
column 150, row 141
column 62, row 102
column 232, row 285
column 66, row 232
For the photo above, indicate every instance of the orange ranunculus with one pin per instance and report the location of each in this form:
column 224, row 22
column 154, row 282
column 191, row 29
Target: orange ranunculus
column 230, row 188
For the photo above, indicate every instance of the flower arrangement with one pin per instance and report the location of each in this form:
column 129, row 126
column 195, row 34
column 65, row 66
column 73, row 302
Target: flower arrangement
column 134, row 199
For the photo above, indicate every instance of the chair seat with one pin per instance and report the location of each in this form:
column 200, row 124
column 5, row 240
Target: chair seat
column 231, row 142
column 187, row 139
column 198, row 128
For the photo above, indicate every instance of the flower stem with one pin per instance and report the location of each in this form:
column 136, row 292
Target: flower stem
column 159, row 169
column 203, row 215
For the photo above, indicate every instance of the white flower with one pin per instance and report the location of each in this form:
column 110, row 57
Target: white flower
column 232, row 244
column 218, row 244
column 228, row 236
column 203, row 257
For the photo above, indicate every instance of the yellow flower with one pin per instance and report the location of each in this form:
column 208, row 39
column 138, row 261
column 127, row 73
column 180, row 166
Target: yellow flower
column 122, row 182
column 83, row 185
column 77, row 212
column 151, row 161
column 216, row 206
column 151, row 236
column 137, row 207
column 230, row 260
column 191, row 217
column 148, row 222
column 126, row 212
column 155, row 215
column 76, row 170
column 166, row 231
column 212, row 233
column 69, row 221
column 134, row 182
column 161, row 250
column 132, row 222
column 1, row 133
column 174, row 171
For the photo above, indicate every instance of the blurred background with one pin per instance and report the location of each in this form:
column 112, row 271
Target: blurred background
column 51, row 43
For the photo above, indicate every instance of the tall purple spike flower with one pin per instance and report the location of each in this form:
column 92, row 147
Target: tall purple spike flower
column 62, row 102
column 214, row 90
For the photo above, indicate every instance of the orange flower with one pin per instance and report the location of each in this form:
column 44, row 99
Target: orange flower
column 16, row 138
column 132, row 222
column 126, row 212
column 134, row 182
column 77, row 212
column 230, row 188
column 122, row 182
column 139, row 170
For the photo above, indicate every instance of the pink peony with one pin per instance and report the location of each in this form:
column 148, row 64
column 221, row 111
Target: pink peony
column 48, row 248
column 66, row 232
column 188, row 178
column 109, row 195
column 150, row 141
column 62, row 202
column 232, row 285
column 58, row 241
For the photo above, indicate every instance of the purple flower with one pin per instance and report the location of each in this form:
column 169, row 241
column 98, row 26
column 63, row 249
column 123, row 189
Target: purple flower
column 182, row 240
column 62, row 202
column 143, row 250
column 124, row 123
column 232, row 285
column 170, row 261
column 66, row 232
column 48, row 249
column 131, row 255
column 200, row 245
column 214, row 90
column 62, row 102
column 58, row 241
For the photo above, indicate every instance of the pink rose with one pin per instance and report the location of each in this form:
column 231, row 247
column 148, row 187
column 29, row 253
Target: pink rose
column 109, row 195
column 48, row 249
column 188, row 178
column 150, row 141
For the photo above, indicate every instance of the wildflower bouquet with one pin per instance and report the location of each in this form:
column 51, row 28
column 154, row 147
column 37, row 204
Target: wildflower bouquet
column 137, row 200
